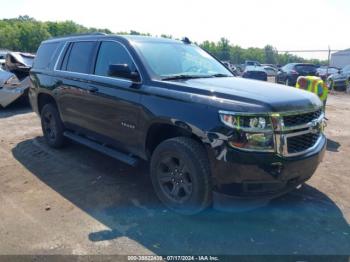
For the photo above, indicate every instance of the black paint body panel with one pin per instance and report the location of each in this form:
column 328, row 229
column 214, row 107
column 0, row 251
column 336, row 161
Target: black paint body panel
column 120, row 113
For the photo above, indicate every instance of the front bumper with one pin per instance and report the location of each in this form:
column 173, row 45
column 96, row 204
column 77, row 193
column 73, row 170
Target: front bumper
column 340, row 82
column 251, row 175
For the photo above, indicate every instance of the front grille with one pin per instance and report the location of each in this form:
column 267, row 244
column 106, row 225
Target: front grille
column 296, row 144
column 295, row 120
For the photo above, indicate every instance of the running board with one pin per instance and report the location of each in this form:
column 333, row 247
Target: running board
column 132, row 161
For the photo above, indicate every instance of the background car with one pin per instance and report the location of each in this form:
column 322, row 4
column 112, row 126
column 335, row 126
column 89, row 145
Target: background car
column 230, row 67
column 271, row 71
column 339, row 80
column 14, row 77
column 255, row 72
column 252, row 63
column 2, row 58
column 19, row 63
column 289, row 73
column 324, row 72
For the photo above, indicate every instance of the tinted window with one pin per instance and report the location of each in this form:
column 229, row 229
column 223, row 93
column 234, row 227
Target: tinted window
column 79, row 57
column 306, row 68
column 285, row 68
column 112, row 53
column 167, row 59
column 44, row 55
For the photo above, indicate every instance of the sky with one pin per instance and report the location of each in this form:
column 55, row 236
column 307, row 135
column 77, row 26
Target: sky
column 286, row 25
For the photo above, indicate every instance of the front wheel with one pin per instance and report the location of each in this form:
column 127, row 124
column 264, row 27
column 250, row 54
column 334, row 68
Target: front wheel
column 180, row 175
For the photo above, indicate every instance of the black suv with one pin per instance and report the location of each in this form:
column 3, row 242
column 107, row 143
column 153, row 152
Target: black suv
column 289, row 73
column 207, row 134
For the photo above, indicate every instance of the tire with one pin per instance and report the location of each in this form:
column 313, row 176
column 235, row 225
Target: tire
column 52, row 126
column 180, row 175
column 330, row 84
column 287, row 82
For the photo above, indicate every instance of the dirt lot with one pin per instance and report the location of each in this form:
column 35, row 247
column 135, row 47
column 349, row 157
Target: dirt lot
column 77, row 201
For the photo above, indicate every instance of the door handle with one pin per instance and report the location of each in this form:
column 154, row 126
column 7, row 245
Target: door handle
column 92, row 88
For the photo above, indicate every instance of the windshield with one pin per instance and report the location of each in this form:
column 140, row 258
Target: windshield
column 165, row 60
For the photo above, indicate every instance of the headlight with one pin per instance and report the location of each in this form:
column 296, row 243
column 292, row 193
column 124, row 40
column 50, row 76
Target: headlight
column 253, row 133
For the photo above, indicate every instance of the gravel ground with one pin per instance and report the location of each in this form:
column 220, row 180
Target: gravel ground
column 77, row 201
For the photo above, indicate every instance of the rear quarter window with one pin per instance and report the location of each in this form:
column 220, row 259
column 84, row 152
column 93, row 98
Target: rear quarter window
column 45, row 55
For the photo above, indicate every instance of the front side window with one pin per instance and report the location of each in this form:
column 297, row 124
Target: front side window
column 111, row 53
column 164, row 60
column 80, row 57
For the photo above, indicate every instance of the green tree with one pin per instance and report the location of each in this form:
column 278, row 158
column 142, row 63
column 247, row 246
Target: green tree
column 270, row 54
column 25, row 34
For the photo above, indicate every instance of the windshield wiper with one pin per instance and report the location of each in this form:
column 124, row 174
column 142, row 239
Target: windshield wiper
column 175, row 77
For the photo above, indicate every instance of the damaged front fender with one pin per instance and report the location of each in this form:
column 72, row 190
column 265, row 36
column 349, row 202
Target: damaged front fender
column 11, row 88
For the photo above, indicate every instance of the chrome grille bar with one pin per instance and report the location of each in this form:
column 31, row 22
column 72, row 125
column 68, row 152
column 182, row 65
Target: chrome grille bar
column 282, row 133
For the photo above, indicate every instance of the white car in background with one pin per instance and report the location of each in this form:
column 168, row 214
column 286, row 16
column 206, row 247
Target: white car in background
column 271, row 71
column 14, row 77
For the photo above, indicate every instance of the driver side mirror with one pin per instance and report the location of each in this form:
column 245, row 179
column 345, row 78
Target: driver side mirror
column 122, row 71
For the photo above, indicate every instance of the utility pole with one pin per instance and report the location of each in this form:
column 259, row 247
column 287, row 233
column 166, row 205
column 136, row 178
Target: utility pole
column 329, row 56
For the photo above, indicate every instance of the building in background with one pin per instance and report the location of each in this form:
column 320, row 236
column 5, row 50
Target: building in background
column 340, row 59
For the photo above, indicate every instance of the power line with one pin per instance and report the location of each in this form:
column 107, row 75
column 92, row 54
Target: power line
column 308, row 51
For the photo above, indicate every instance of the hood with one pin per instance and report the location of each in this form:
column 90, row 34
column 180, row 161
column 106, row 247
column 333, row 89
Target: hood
column 265, row 96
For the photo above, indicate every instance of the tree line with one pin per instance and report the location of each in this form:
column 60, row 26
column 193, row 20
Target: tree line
column 25, row 34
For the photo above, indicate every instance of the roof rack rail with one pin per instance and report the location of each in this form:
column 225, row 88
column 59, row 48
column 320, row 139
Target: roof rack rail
column 80, row 34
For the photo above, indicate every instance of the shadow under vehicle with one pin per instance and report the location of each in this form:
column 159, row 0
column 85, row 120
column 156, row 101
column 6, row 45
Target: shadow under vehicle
column 303, row 222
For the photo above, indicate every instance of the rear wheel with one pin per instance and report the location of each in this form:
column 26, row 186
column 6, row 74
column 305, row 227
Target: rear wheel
column 180, row 175
column 330, row 84
column 52, row 126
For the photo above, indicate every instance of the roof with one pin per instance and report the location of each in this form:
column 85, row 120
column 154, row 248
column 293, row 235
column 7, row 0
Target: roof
column 129, row 38
column 342, row 52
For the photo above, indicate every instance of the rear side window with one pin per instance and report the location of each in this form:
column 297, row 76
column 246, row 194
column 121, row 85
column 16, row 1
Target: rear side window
column 80, row 57
column 112, row 53
column 45, row 55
